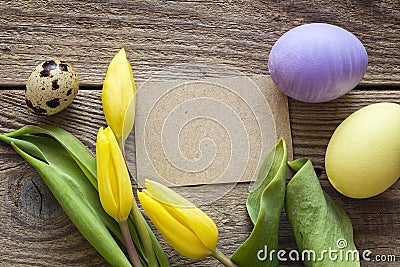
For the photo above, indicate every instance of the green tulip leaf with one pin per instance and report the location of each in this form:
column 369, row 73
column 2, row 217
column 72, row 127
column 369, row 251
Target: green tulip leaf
column 75, row 194
column 70, row 143
column 318, row 223
column 68, row 146
column 264, row 205
column 51, row 147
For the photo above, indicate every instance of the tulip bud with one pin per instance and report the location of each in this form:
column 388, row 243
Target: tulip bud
column 115, row 188
column 185, row 227
column 118, row 96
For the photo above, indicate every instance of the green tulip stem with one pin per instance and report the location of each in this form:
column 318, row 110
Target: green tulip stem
column 223, row 259
column 133, row 256
column 143, row 233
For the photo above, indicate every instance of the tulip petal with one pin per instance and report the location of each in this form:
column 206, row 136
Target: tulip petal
column 123, row 187
column 118, row 90
column 115, row 187
column 199, row 223
column 129, row 119
column 186, row 212
column 178, row 235
column 104, row 171
column 166, row 195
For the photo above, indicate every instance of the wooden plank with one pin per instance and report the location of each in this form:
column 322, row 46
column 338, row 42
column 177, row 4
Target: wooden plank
column 158, row 34
column 34, row 231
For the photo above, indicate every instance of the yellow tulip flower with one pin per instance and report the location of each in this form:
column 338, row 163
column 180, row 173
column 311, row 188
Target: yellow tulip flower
column 186, row 228
column 119, row 96
column 115, row 188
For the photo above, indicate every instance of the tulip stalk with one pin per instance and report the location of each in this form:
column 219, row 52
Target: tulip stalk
column 223, row 259
column 130, row 247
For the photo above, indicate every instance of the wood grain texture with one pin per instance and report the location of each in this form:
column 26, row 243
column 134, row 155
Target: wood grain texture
column 34, row 231
column 158, row 34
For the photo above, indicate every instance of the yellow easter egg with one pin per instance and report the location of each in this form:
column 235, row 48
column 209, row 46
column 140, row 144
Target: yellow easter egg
column 363, row 156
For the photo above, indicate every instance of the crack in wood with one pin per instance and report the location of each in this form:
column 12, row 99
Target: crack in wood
column 40, row 196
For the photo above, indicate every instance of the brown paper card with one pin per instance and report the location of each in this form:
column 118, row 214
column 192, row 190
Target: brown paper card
column 208, row 131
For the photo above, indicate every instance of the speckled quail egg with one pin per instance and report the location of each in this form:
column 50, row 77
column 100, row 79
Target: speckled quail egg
column 51, row 87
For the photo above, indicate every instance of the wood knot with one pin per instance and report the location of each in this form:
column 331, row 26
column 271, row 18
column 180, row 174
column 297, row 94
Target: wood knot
column 37, row 200
column 31, row 199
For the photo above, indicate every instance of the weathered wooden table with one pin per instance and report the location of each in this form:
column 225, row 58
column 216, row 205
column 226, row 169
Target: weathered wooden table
column 34, row 231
